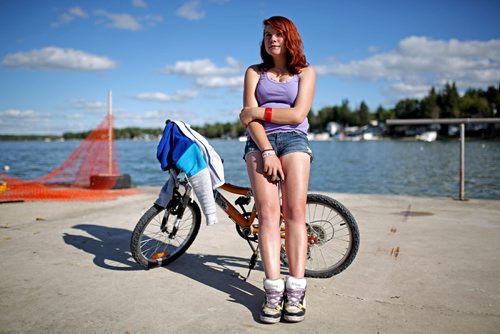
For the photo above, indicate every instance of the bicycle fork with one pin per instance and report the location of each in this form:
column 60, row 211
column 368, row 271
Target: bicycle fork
column 179, row 208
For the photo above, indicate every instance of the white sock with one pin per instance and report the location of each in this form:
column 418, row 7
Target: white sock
column 276, row 285
column 293, row 283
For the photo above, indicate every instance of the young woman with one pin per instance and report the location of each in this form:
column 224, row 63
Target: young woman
column 277, row 97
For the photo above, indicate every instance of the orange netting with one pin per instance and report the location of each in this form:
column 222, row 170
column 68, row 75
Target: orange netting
column 90, row 173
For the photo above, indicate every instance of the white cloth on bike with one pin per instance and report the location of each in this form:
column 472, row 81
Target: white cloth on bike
column 213, row 159
column 200, row 162
column 202, row 188
column 166, row 192
column 201, row 185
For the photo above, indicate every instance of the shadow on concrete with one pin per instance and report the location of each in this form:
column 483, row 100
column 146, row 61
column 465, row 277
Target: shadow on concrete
column 219, row 272
column 111, row 249
column 110, row 246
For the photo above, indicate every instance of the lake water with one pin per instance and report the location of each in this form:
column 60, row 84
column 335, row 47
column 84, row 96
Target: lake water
column 371, row 167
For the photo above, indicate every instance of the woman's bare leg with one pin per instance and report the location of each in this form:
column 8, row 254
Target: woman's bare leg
column 296, row 167
column 268, row 208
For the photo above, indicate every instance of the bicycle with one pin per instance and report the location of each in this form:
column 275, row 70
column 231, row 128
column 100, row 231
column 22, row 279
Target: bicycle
column 163, row 234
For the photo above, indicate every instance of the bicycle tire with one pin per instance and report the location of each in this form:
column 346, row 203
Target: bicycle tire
column 337, row 236
column 151, row 247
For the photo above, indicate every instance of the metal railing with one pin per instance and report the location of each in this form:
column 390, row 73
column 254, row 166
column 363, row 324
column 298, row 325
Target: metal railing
column 461, row 122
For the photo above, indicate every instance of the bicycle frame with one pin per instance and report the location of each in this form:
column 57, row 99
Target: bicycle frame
column 162, row 234
column 230, row 209
column 181, row 179
column 233, row 213
column 237, row 217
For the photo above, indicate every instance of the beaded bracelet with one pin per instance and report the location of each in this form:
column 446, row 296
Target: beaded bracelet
column 268, row 153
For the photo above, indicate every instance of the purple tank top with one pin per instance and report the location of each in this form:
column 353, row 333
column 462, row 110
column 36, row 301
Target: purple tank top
column 274, row 94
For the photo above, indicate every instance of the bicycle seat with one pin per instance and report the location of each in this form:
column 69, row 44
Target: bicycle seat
column 242, row 200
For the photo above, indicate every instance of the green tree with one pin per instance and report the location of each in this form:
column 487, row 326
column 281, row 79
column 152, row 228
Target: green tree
column 343, row 114
column 407, row 108
column 429, row 105
column 324, row 116
column 448, row 101
column 382, row 114
column 474, row 104
column 362, row 115
column 492, row 94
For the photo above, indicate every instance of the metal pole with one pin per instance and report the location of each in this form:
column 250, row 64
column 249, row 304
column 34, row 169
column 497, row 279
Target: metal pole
column 110, row 134
column 462, row 161
column 461, row 122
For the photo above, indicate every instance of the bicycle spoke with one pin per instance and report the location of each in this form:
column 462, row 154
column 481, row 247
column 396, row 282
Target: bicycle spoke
column 332, row 242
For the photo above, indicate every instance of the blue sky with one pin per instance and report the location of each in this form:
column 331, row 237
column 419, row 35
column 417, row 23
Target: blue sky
column 186, row 59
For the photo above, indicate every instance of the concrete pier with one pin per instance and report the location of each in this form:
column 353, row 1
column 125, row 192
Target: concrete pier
column 425, row 265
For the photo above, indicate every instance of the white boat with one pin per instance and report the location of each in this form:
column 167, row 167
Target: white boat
column 319, row 136
column 428, row 136
column 369, row 136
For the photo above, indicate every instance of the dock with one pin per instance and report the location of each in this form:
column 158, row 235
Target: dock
column 425, row 265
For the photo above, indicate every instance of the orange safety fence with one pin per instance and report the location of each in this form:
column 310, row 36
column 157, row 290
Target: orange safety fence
column 89, row 174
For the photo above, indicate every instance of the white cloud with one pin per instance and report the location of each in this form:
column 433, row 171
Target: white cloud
column 191, row 11
column 77, row 11
column 89, row 105
column 69, row 16
column 53, row 58
column 18, row 114
column 203, row 67
column 151, row 20
column 421, row 62
column 74, row 116
column 403, row 89
column 120, row 20
column 139, row 3
column 206, row 73
column 215, row 82
column 18, row 121
column 147, row 118
column 180, row 95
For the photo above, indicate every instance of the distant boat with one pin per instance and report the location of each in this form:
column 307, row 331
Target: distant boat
column 428, row 136
column 369, row 136
column 319, row 136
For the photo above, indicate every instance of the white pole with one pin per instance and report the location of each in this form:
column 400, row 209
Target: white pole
column 110, row 133
column 462, row 162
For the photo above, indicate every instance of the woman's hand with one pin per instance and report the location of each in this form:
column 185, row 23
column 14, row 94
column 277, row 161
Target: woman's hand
column 272, row 168
column 247, row 116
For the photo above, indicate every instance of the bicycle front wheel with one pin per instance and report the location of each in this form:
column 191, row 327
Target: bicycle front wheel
column 160, row 237
column 333, row 237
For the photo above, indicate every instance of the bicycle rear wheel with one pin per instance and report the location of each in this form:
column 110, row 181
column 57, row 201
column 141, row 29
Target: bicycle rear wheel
column 333, row 237
column 154, row 240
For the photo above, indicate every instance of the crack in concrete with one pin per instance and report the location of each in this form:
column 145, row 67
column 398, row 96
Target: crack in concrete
column 419, row 307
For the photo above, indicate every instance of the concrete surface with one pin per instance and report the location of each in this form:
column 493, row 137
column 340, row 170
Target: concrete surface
column 425, row 265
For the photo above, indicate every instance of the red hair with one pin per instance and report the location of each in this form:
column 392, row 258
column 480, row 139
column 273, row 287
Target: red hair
column 295, row 58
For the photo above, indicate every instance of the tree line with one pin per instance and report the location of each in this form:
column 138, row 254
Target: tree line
column 444, row 103
column 447, row 103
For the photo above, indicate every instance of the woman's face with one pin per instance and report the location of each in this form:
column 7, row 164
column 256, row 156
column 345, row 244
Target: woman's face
column 274, row 41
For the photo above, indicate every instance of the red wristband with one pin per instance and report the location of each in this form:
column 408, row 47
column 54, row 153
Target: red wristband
column 268, row 114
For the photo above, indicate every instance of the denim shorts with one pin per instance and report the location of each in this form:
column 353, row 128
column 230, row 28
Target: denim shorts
column 282, row 143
